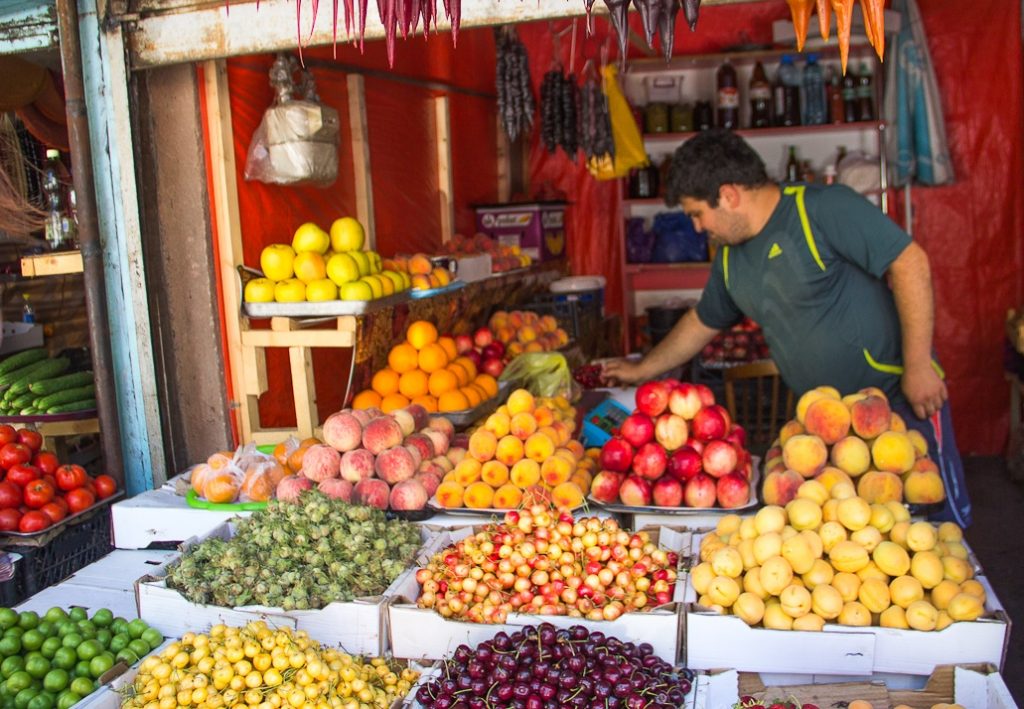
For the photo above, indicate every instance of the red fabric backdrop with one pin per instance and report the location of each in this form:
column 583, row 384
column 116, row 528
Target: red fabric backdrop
column 972, row 230
column 403, row 159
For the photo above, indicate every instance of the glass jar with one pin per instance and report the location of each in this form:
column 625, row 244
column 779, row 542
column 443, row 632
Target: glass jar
column 656, row 118
column 681, row 118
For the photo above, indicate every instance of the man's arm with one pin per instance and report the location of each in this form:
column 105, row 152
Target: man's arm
column 684, row 340
column 912, row 290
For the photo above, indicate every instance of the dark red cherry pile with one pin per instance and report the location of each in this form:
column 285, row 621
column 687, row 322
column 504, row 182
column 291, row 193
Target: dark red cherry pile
column 543, row 667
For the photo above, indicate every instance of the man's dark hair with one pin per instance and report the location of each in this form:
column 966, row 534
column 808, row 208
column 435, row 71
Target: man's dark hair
column 709, row 160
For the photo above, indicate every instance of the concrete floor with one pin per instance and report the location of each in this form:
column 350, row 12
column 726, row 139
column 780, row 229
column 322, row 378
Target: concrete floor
column 999, row 545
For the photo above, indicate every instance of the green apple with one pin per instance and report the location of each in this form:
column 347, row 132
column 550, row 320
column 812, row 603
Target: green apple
column 342, row 268
column 347, row 235
column 356, row 290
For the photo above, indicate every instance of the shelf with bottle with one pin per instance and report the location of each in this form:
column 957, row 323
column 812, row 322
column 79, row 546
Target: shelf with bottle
column 773, row 131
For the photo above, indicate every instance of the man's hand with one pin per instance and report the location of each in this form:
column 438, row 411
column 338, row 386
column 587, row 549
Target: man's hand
column 622, row 371
column 924, row 389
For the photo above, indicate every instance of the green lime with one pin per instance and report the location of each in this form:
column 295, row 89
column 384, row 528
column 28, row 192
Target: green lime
column 88, row 650
column 127, row 656
column 19, row 681
column 22, row 698
column 37, row 665
column 56, row 681
column 28, row 620
column 10, row 645
column 32, row 640
column 55, row 615
column 8, row 618
column 66, row 627
column 5, row 693
column 153, row 637
column 72, row 640
column 103, row 618
column 14, row 632
column 65, row 658
column 140, row 647
column 12, row 664
column 100, row 665
column 120, row 625
column 50, row 647
column 137, row 627
column 43, row 700
column 77, row 613
column 87, row 630
column 82, row 686
column 67, row 699
column 119, row 642
column 81, row 669
column 104, row 636
column 47, row 628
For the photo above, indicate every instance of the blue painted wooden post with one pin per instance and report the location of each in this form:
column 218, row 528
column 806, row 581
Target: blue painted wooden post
column 117, row 205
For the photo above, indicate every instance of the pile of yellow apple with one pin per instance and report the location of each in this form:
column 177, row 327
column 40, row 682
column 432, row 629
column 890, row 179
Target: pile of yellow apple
column 320, row 266
column 831, row 557
column 523, row 454
column 857, row 439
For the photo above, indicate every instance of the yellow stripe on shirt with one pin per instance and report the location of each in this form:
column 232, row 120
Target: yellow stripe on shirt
column 801, row 208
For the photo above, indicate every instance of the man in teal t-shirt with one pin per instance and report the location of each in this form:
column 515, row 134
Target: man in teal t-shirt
column 809, row 264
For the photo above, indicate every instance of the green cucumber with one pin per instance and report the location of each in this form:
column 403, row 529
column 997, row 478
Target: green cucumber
column 81, row 405
column 21, row 373
column 29, row 411
column 43, row 387
column 22, row 401
column 67, row 396
column 22, row 359
column 47, row 370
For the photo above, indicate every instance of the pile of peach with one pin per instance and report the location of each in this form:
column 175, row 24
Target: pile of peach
column 427, row 370
column 853, row 438
column 503, row 258
column 830, row 556
column 523, row 453
column 422, row 273
column 369, row 457
column 526, row 331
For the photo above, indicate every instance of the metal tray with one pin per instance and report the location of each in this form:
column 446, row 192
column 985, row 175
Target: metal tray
column 752, row 502
column 432, row 504
column 322, row 309
column 431, row 292
column 51, row 418
column 467, row 417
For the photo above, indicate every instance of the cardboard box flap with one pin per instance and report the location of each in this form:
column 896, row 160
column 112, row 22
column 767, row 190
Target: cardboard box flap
column 823, row 695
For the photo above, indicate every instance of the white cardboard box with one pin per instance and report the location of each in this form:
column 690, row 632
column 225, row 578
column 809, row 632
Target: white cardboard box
column 359, row 626
column 420, row 633
column 473, row 268
column 716, row 641
column 162, row 516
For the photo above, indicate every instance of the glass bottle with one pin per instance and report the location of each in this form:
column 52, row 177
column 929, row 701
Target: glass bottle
column 760, row 98
column 728, row 97
column 792, row 166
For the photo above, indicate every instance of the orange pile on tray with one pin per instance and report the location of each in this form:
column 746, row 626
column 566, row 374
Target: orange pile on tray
column 427, row 370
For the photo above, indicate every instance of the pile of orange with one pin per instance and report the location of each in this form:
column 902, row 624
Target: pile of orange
column 426, row 370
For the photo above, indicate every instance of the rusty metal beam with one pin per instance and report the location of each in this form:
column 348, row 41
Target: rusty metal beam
column 27, row 26
column 177, row 34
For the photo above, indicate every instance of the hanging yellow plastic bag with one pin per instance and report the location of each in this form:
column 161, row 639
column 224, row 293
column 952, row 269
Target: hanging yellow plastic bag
column 629, row 144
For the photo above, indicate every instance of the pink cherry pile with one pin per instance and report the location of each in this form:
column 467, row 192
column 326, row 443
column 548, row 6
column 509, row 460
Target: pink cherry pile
column 677, row 449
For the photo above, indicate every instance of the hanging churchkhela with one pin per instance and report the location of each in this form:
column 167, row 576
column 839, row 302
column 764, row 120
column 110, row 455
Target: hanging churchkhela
column 874, row 22
column 515, row 97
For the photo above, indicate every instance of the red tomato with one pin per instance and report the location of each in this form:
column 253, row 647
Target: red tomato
column 22, row 474
column 7, row 435
column 14, row 453
column 54, row 511
column 10, row 495
column 30, row 438
column 60, row 502
column 38, row 493
column 9, row 520
column 71, row 476
column 34, row 521
column 105, row 486
column 80, row 499
column 50, row 479
column 46, row 462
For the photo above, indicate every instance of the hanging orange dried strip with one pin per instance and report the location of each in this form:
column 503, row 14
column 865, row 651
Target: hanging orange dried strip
column 802, row 11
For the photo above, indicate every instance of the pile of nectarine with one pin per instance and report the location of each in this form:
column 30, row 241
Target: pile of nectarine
column 678, row 449
column 523, row 453
column 526, row 331
column 856, row 439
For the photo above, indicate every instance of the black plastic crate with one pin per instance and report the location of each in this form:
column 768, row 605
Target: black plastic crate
column 72, row 549
column 579, row 314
